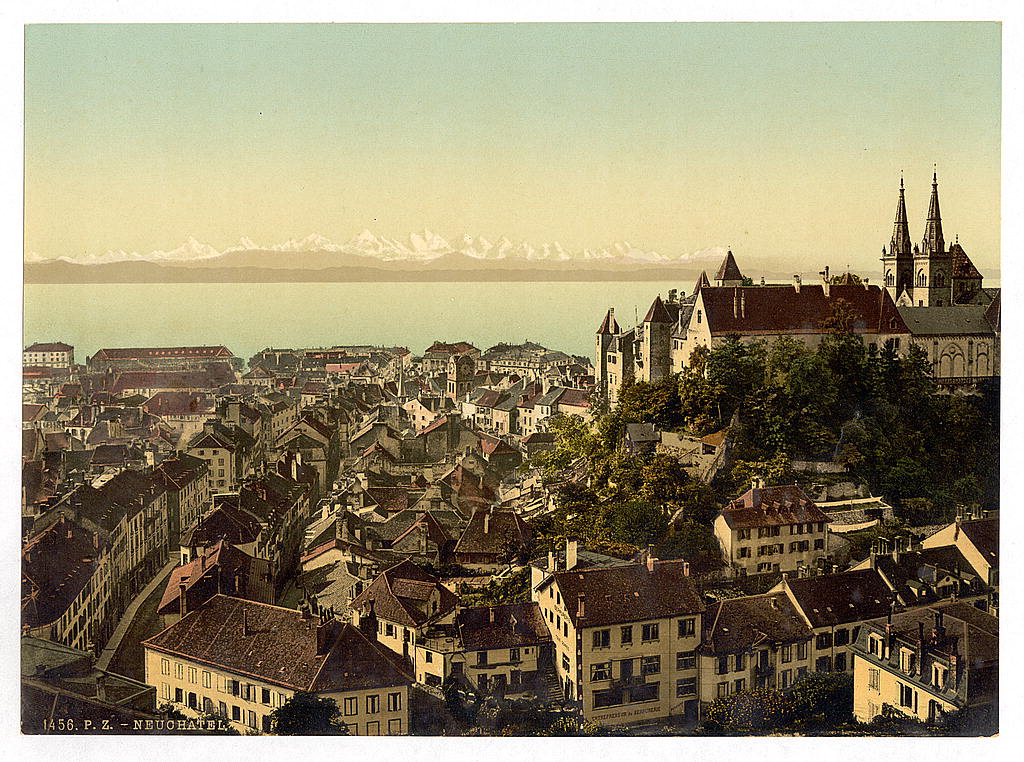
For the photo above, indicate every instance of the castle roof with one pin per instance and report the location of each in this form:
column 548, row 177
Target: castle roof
column 729, row 269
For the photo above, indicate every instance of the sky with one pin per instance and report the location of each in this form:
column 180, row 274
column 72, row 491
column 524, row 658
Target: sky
column 784, row 142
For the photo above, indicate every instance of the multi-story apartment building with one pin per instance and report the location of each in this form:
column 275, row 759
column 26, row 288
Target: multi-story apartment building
column 55, row 354
column 977, row 539
column 927, row 663
column 242, row 659
column 835, row 606
column 624, row 637
column 187, row 483
column 228, row 451
column 756, row 641
column 771, row 529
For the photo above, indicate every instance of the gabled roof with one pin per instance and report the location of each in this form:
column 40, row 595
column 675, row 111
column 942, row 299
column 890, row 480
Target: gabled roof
column 56, row 564
column 488, row 531
column 509, row 625
column 56, row 346
column 218, row 568
column 963, row 267
column 149, row 353
column 772, row 506
column 436, row 533
column 279, row 646
column 395, row 593
column 228, row 521
column 729, row 270
column 984, row 535
column 832, row 599
column 629, row 593
column 739, row 624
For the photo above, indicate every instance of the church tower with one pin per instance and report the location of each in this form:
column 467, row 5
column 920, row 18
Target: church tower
column 932, row 263
column 898, row 260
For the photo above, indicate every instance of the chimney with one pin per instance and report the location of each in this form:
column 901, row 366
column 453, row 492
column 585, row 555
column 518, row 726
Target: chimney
column 825, row 282
column 757, row 483
column 551, row 560
column 571, row 557
column 686, row 568
column 487, row 521
column 735, row 303
column 796, row 283
column 938, row 631
column 490, row 614
column 245, row 621
column 581, row 606
column 743, row 303
column 323, row 635
column 101, row 686
column 650, row 558
column 182, row 603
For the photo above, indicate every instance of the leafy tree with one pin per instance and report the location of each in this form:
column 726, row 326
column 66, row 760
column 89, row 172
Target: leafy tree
column 636, row 523
column 689, row 540
column 306, row 714
column 822, row 697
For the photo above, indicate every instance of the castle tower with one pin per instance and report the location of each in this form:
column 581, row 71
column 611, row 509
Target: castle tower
column 898, row 260
column 729, row 274
column 605, row 334
column 654, row 361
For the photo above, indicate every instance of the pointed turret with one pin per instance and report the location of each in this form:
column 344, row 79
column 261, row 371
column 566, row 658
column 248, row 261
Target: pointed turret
column 933, row 226
column 702, row 282
column 729, row 273
column 609, row 326
column 900, row 231
column 657, row 313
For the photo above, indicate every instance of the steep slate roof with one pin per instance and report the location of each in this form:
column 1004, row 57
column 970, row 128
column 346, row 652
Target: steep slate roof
column 200, row 578
column 780, row 309
column 278, row 646
column 56, row 564
column 180, row 471
column 729, row 270
column 993, row 314
column 963, row 267
column 960, row 319
column 771, row 506
column 227, row 521
column 509, row 625
column 658, row 312
column 395, row 591
column 984, row 535
column 702, row 282
column 608, row 325
column 738, row 624
column 841, row 598
column 628, row 593
column 435, row 530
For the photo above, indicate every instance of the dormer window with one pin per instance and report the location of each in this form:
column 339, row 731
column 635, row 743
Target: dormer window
column 908, row 661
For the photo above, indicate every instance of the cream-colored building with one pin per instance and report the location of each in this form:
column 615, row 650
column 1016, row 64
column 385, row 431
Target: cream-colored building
column 49, row 355
column 624, row 637
column 771, row 529
column 927, row 663
column 242, row 660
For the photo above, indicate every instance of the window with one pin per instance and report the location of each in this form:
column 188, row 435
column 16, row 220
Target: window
column 207, row 679
column 428, row 657
column 266, row 723
column 394, row 702
column 723, row 690
column 481, row 658
column 819, row 544
column 874, row 645
column 650, row 665
column 602, row 638
column 801, row 651
column 644, row 692
column 192, row 675
column 649, row 633
column 601, row 671
column 607, row 698
column 265, row 696
column 939, row 676
column 686, row 660
column 787, row 654
column 236, row 714
column 842, row 637
column 372, row 704
column 785, row 678
column 395, row 727
column 873, row 675
column 251, row 718
column 222, row 709
column 565, row 662
column 824, row 640
column 764, row 567
column 626, row 635
column 351, row 706
column 744, row 552
column 743, row 534
column 165, row 691
column 739, row 662
column 723, row 665
column 908, row 697
column 686, row 686
column 739, row 685
column 840, row 663
column 821, row 524
column 908, row 661
column 687, row 627
column 513, row 655
column 179, row 696
column 823, row 664
column 389, row 630
column 179, row 671
column 165, row 667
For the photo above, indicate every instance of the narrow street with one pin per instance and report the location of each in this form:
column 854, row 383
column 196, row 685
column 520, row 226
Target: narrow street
column 123, row 653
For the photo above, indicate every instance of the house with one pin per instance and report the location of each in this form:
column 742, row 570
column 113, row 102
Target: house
column 400, row 604
column 771, row 529
column 928, row 663
column 754, row 641
column 54, row 354
column 436, row 356
column 492, row 540
column 640, row 438
column 978, row 540
column 186, row 481
column 228, row 451
column 502, row 650
column 624, row 637
column 243, row 659
column 184, row 412
column 834, row 606
column 218, row 568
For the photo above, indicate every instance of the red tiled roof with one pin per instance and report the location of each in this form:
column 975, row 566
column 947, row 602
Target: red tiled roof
column 179, row 403
column 56, row 346
column 772, row 506
column 780, row 309
column 388, row 603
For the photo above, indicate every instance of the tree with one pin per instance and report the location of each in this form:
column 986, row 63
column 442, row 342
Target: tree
column 636, row 523
column 306, row 714
column 689, row 540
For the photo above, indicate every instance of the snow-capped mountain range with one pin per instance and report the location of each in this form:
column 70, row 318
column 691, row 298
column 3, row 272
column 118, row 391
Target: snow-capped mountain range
column 421, row 248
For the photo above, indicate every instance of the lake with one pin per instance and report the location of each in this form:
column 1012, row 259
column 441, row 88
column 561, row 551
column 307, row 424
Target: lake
column 246, row 317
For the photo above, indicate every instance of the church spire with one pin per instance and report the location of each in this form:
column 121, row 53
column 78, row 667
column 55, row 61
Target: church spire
column 900, row 231
column 933, row 227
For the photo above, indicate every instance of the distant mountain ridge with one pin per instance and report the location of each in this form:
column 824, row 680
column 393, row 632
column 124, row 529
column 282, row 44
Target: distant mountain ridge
column 369, row 249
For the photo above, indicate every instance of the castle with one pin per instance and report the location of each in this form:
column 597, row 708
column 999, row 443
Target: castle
column 931, row 296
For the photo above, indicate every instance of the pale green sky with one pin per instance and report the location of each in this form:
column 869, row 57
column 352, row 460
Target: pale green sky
column 782, row 141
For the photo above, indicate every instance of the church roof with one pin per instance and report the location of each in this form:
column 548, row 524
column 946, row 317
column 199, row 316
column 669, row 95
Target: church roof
column 960, row 319
column 729, row 269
